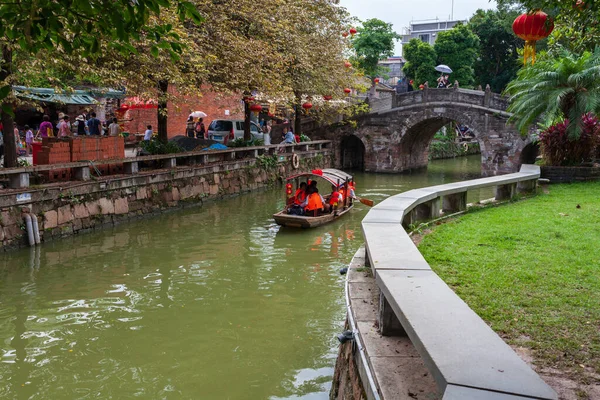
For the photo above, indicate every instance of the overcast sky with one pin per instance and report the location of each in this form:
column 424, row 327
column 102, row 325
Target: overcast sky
column 401, row 12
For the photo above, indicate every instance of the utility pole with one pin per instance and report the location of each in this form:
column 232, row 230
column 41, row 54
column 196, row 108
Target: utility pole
column 452, row 12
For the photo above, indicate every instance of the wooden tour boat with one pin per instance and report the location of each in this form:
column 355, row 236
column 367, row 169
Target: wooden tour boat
column 333, row 176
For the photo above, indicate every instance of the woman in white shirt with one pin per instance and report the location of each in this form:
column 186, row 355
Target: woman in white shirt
column 148, row 133
column 114, row 128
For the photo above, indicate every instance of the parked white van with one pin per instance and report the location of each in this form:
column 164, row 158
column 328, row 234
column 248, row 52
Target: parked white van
column 222, row 130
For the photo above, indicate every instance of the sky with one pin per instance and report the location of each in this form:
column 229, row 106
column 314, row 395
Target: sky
column 401, row 12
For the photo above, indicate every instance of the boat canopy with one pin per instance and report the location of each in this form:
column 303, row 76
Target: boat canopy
column 333, row 176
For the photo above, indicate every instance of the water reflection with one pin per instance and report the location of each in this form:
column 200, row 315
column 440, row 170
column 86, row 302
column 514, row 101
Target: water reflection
column 213, row 302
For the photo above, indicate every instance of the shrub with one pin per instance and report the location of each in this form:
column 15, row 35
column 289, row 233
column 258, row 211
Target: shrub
column 155, row 146
column 240, row 142
column 557, row 149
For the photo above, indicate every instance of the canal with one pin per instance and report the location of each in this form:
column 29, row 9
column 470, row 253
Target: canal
column 215, row 302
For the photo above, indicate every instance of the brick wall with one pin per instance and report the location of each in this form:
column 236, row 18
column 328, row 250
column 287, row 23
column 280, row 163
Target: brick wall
column 213, row 104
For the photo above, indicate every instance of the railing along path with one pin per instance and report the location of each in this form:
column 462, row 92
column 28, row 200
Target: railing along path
column 467, row 359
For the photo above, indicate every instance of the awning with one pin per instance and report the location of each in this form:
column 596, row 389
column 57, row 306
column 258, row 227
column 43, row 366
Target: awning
column 79, row 97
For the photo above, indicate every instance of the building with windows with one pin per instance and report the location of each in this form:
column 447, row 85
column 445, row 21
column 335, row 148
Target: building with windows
column 427, row 30
column 393, row 66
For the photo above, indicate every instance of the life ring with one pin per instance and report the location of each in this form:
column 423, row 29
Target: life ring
column 466, row 146
column 295, row 161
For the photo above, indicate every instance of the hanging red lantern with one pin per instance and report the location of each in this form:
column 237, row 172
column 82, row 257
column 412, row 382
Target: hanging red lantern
column 421, row 87
column 353, row 31
column 532, row 27
column 345, row 34
column 307, row 106
column 376, row 80
column 327, row 97
column 347, row 64
column 288, row 190
column 248, row 99
column 347, row 90
column 256, row 108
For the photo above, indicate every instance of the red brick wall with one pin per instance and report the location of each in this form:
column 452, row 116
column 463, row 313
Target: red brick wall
column 213, row 104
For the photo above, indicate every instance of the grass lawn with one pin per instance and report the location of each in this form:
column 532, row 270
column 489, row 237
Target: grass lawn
column 531, row 270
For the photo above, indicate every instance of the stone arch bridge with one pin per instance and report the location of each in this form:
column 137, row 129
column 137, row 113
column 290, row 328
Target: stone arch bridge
column 395, row 137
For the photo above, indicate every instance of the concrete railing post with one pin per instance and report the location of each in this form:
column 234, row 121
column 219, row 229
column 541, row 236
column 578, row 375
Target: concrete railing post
column 389, row 325
column 506, row 192
column 131, row 168
column 526, row 187
column 454, row 202
column 19, row 181
column 82, row 173
column 170, row 163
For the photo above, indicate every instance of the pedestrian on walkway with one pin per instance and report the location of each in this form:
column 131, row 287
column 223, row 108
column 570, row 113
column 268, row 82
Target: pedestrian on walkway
column 28, row 140
column 46, row 129
column 94, row 125
column 200, row 129
column 148, row 133
column 81, row 128
column 114, row 129
column 190, row 127
column 64, row 127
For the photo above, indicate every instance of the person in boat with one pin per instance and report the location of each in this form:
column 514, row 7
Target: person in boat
column 335, row 198
column 314, row 202
column 300, row 194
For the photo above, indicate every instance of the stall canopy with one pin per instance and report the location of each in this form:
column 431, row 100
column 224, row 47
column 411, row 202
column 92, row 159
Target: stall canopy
column 80, row 97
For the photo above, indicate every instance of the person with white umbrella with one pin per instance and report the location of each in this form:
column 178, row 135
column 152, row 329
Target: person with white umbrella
column 189, row 127
column 443, row 80
column 198, row 128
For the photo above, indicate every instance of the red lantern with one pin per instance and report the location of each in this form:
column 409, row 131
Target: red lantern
column 580, row 5
column 531, row 28
column 248, row 99
column 288, row 189
column 345, row 34
column 327, row 97
column 307, row 106
column 347, row 90
column 347, row 64
column 421, row 87
column 353, row 31
column 376, row 80
column 256, row 108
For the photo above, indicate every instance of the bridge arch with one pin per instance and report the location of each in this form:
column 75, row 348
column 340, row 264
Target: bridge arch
column 397, row 139
column 352, row 152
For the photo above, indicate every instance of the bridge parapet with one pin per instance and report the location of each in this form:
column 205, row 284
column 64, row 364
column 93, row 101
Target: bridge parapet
column 485, row 99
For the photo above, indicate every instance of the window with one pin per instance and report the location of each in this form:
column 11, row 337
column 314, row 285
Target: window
column 424, row 38
column 220, row 125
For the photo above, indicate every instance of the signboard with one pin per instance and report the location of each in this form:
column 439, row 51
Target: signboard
column 23, row 197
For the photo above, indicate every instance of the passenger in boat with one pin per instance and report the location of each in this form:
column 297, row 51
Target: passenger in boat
column 335, row 198
column 314, row 202
column 300, row 195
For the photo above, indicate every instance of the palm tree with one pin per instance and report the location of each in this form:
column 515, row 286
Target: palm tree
column 553, row 90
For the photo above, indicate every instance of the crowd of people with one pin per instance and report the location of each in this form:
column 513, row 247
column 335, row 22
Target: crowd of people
column 307, row 200
column 84, row 124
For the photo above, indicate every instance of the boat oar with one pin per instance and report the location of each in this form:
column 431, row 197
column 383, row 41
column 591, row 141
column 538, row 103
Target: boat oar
column 366, row 202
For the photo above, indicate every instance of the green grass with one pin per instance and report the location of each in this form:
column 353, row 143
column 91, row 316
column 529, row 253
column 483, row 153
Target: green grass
column 531, row 269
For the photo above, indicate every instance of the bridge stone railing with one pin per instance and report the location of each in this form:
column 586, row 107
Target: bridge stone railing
column 467, row 359
column 485, row 99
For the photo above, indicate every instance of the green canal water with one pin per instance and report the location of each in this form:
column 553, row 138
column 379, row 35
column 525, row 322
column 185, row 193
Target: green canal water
column 214, row 302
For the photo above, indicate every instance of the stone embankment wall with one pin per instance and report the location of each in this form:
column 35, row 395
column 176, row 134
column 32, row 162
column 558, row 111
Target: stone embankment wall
column 69, row 208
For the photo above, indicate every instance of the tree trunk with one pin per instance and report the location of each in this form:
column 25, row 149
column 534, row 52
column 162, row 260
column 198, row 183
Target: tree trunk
column 298, row 116
column 10, row 146
column 247, row 135
column 163, row 86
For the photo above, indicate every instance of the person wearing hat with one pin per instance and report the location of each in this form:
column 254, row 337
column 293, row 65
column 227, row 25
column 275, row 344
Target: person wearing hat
column 81, row 127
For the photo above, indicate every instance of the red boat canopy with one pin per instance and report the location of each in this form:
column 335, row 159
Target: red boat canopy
column 333, row 176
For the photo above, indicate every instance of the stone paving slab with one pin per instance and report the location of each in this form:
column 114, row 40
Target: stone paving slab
column 403, row 378
column 396, row 203
column 365, row 310
column 458, row 347
column 454, row 392
column 389, row 216
column 385, row 346
column 390, row 247
column 363, row 290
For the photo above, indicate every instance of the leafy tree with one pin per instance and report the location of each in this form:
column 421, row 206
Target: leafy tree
column 30, row 26
column 373, row 42
column 458, row 48
column 577, row 26
column 420, row 62
column 557, row 89
column 498, row 60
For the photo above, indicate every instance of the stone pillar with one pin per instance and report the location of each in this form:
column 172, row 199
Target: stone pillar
column 131, row 168
column 389, row 325
column 506, row 192
column 170, row 163
column 255, row 153
column 19, row 181
column 526, row 187
column 454, row 202
column 232, row 156
column 82, row 173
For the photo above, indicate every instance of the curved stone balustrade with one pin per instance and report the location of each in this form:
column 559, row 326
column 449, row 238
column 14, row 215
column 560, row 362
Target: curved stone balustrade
column 467, row 359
